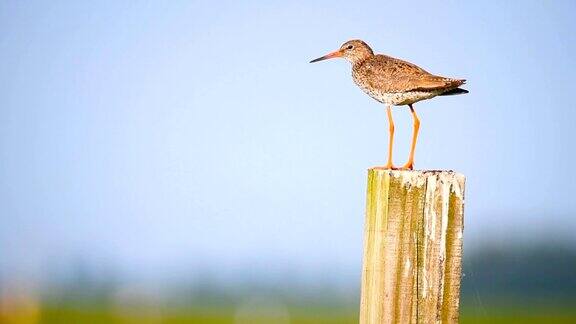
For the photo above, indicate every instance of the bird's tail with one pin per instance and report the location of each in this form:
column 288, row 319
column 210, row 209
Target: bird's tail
column 455, row 91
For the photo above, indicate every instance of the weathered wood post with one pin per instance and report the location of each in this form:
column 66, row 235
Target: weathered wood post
column 412, row 247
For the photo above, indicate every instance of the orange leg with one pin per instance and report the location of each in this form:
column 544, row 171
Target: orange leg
column 410, row 164
column 389, row 165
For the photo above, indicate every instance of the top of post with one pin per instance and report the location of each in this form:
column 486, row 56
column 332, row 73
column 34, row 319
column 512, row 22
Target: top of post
column 452, row 180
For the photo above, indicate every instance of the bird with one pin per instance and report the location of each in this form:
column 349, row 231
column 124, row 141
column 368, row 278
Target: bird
column 394, row 82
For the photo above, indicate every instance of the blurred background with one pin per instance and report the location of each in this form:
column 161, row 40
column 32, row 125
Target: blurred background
column 180, row 161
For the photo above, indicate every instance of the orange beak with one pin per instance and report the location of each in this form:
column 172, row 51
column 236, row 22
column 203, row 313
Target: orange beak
column 328, row 56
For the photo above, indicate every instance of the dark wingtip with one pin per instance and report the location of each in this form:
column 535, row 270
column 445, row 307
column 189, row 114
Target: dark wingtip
column 456, row 91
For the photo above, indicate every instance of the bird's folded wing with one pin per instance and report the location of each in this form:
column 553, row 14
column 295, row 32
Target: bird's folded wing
column 406, row 83
column 430, row 83
column 389, row 75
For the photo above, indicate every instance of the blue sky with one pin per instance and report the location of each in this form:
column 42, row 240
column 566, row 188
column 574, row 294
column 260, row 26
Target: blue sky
column 167, row 136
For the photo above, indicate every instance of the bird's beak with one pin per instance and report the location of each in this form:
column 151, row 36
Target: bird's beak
column 328, row 56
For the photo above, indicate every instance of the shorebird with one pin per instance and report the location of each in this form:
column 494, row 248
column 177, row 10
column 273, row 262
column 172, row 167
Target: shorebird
column 394, row 82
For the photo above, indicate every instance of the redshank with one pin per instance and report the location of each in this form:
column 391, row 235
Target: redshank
column 394, row 82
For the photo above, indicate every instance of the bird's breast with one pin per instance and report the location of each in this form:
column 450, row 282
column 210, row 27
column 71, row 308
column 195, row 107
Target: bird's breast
column 364, row 83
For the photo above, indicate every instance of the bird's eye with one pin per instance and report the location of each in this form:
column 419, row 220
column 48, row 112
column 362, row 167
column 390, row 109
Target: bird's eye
column 350, row 47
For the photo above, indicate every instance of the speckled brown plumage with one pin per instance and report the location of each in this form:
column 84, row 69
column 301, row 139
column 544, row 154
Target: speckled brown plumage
column 394, row 82
column 390, row 74
column 383, row 76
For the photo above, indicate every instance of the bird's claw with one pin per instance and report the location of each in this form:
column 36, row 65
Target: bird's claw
column 385, row 167
column 407, row 166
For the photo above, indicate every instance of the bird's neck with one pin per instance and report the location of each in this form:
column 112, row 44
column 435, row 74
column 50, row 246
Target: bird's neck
column 360, row 60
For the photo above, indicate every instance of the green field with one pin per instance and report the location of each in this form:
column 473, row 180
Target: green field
column 295, row 316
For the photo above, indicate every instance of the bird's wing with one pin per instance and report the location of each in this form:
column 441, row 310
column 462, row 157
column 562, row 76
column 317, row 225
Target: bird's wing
column 430, row 83
column 390, row 75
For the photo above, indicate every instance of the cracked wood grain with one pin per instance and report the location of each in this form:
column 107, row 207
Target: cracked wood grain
column 412, row 247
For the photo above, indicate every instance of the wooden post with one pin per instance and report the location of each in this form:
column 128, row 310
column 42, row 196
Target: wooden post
column 412, row 247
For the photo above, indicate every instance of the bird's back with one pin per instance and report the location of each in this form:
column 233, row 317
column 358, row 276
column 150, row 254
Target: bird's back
column 397, row 82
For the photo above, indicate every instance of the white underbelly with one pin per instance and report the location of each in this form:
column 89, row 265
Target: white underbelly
column 401, row 98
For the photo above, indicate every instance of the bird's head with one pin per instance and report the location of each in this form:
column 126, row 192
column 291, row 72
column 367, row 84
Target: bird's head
column 354, row 51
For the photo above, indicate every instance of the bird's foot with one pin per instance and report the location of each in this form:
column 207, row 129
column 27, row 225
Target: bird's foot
column 388, row 166
column 407, row 166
